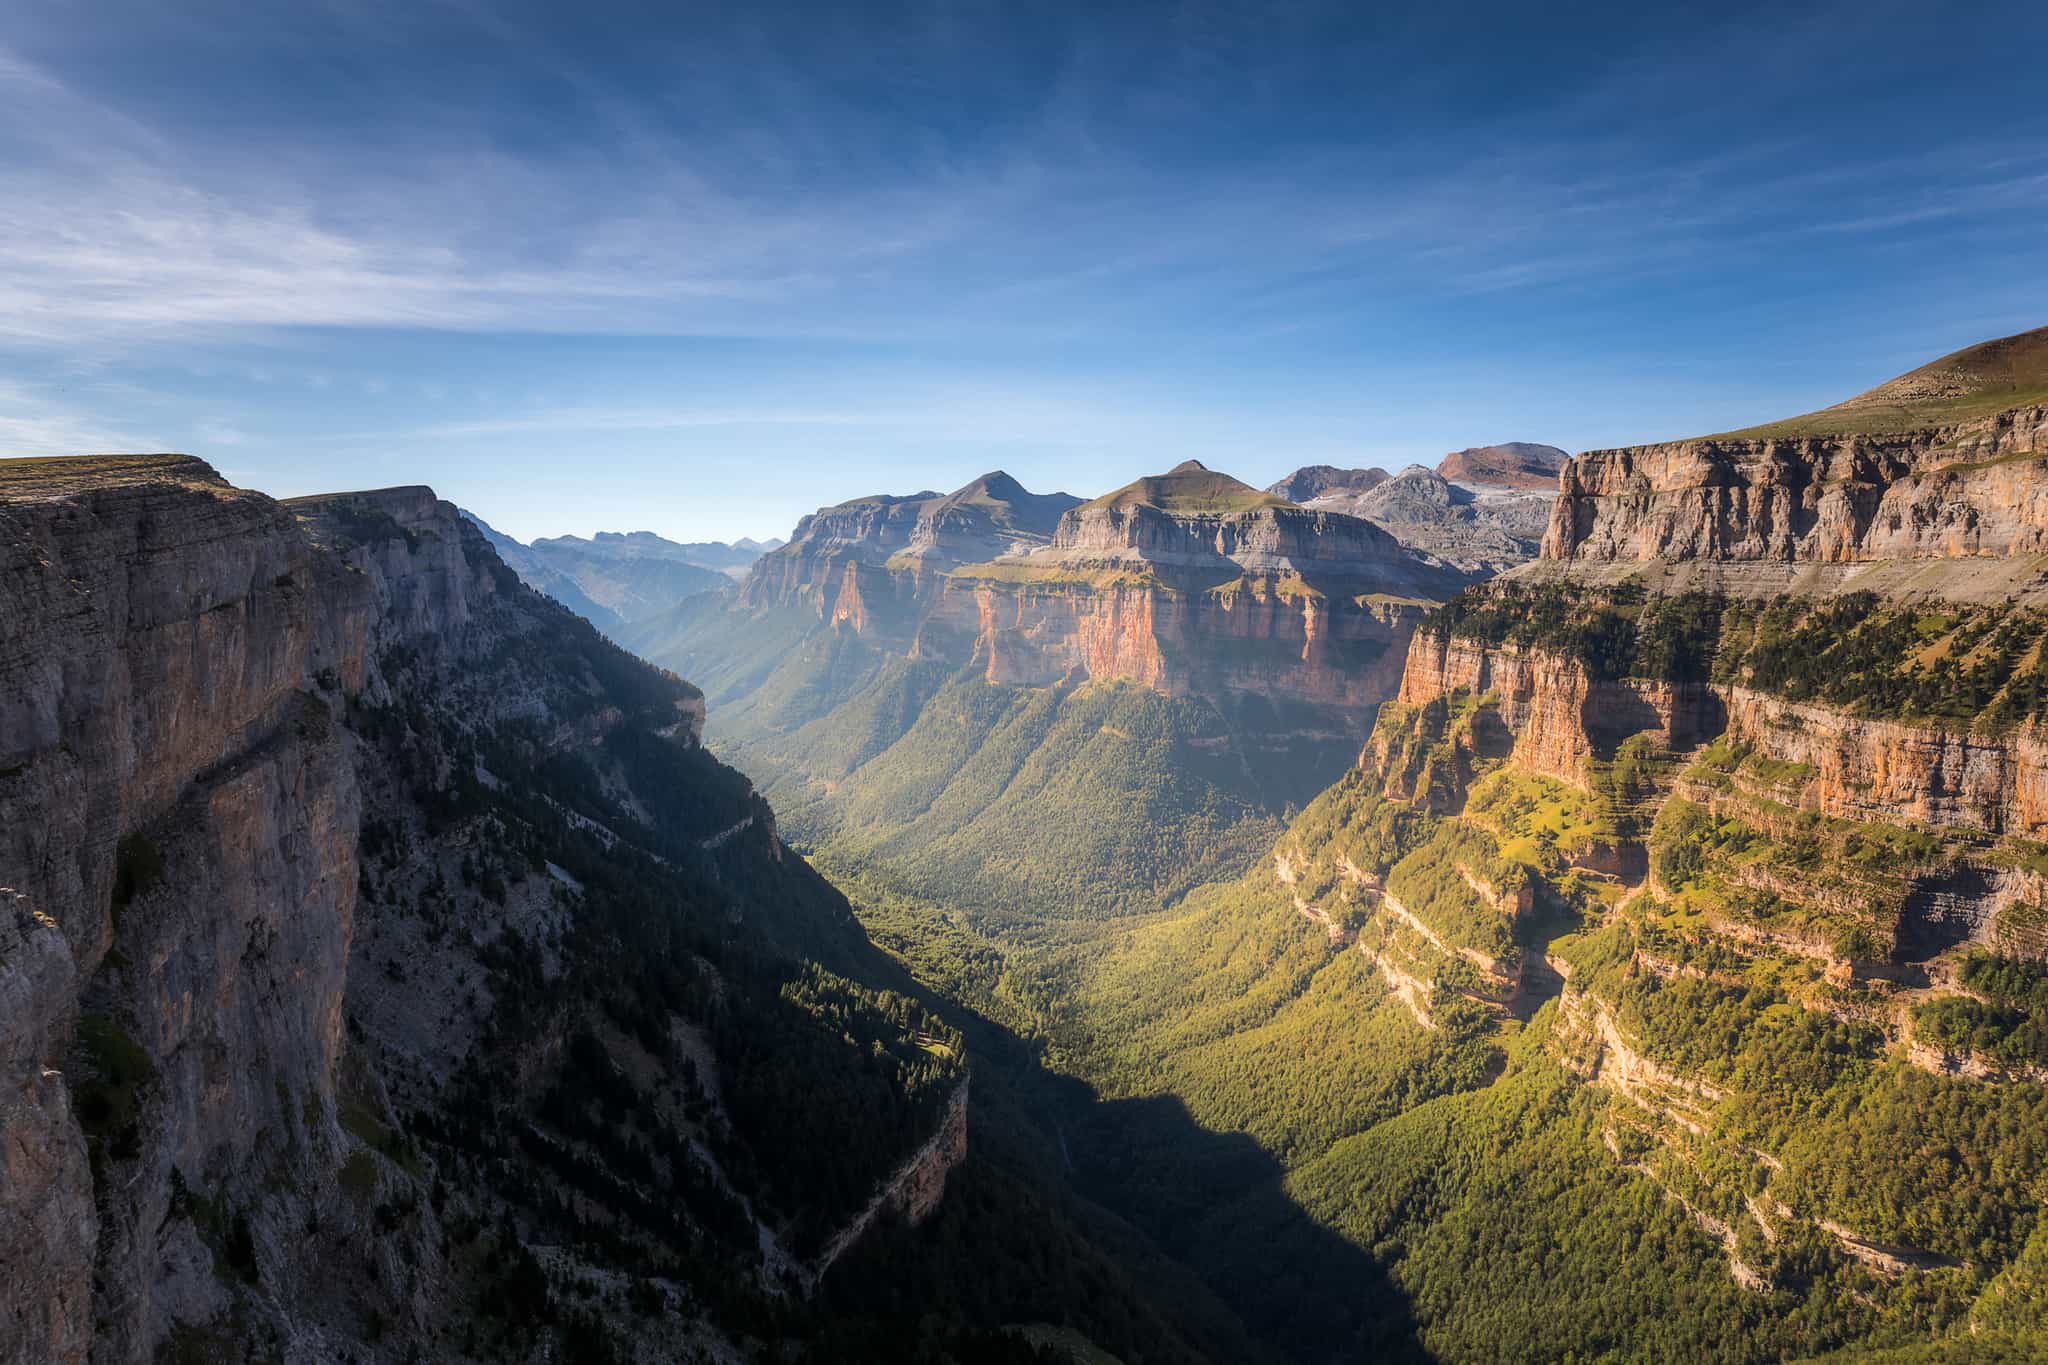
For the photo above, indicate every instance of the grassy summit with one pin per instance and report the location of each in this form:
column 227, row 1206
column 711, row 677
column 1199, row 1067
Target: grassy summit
column 1189, row 489
column 1976, row 381
column 56, row 475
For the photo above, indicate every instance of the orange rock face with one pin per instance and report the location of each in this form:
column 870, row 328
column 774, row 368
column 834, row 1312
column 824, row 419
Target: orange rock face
column 1560, row 717
column 1221, row 591
column 1860, row 768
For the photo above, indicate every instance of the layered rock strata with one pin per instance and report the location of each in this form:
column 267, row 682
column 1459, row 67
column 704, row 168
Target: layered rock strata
column 209, row 701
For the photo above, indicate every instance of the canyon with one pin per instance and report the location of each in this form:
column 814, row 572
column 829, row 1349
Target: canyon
column 1358, row 953
column 921, row 671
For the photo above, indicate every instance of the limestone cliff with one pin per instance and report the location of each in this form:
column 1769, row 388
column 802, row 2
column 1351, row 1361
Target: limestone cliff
column 1189, row 583
column 1974, row 488
column 300, row 806
column 872, row 562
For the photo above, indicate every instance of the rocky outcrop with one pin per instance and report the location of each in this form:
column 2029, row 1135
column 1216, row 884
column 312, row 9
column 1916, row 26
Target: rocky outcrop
column 914, row 1190
column 1478, row 529
column 1972, row 488
column 1560, row 716
column 1512, row 464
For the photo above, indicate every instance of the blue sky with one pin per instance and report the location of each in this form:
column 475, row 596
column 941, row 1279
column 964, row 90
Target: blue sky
column 698, row 269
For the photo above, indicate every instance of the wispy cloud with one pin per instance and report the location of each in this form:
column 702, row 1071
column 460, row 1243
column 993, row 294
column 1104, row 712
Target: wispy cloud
column 840, row 234
column 112, row 229
column 31, row 424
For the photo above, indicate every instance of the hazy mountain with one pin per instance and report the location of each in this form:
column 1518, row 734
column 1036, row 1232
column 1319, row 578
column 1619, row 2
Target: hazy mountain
column 1181, row 658
column 1313, row 481
column 731, row 560
column 1489, row 519
column 616, row 579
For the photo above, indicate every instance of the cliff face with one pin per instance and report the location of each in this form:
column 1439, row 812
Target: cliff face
column 1190, row 584
column 1965, row 489
column 875, row 560
column 159, row 727
column 1560, row 717
column 1847, row 766
column 1737, row 843
column 259, row 764
column 1924, row 774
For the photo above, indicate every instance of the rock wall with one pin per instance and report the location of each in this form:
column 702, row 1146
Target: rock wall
column 160, row 637
column 48, row 1226
column 1958, row 491
column 1275, row 602
column 201, row 692
column 914, row 1190
column 1256, row 639
column 1865, row 769
column 1860, row 768
column 1560, row 716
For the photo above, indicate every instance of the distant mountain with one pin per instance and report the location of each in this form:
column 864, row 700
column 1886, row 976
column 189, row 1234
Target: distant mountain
column 1315, row 480
column 1481, row 511
column 1514, row 464
column 732, row 560
column 1022, row 698
column 1189, row 488
column 913, row 540
column 617, row 578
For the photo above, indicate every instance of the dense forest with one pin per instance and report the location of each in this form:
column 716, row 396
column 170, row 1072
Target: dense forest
column 1361, row 1169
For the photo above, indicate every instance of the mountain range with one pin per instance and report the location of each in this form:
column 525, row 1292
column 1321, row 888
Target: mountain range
column 616, row 579
column 1481, row 510
column 1344, row 921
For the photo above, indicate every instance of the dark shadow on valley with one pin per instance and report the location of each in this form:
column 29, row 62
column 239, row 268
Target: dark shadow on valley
column 1216, row 1201
column 1199, row 1222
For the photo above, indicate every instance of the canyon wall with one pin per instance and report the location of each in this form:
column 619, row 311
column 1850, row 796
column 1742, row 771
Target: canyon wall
column 1849, row 767
column 209, row 702
column 1561, row 717
column 1962, row 490
column 1223, row 591
column 160, row 725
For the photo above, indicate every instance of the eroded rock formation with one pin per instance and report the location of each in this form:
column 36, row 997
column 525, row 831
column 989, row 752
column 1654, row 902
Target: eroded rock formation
column 236, row 738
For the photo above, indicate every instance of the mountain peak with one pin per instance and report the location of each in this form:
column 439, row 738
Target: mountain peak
column 1511, row 464
column 1977, row 381
column 1190, row 488
column 1316, row 480
column 997, row 484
